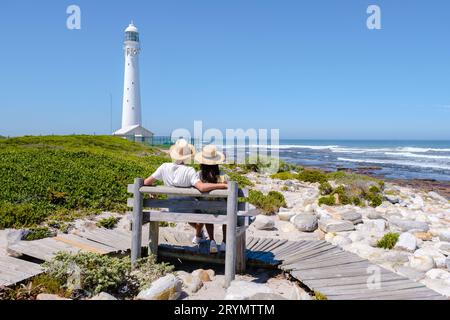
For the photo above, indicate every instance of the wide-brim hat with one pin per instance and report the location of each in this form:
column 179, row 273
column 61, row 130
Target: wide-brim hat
column 210, row 156
column 182, row 151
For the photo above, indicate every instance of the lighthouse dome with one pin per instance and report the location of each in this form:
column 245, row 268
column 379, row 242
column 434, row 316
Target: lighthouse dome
column 131, row 28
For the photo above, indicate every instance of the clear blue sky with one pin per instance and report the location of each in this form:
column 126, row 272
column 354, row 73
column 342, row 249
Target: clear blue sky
column 310, row 68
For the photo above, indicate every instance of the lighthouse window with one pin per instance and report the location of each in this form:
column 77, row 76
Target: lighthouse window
column 131, row 36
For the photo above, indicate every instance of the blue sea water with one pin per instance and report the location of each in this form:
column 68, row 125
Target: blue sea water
column 395, row 159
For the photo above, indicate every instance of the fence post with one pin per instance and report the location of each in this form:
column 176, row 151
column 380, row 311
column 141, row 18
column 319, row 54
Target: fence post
column 230, row 255
column 136, row 238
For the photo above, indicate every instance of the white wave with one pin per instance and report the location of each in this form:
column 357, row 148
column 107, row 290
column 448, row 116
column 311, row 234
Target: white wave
column 400, row 163
column 283, row 146
column 421, row 150
column 413, row 155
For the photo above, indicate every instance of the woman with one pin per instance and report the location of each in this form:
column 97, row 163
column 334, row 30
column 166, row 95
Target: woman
column 209, row 160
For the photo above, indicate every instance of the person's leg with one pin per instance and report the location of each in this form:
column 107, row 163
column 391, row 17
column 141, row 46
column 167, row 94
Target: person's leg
column 224, row 233
column 210, row 230
column 198, row 229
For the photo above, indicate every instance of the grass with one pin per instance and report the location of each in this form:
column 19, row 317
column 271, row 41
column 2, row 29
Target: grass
column 388, row 241
column 319, row 296
column 67, row 177
column 37, row 233
column 108, row 223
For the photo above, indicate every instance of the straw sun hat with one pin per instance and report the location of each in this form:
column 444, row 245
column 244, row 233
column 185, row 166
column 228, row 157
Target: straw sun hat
column 182, row 151
column 210, row 156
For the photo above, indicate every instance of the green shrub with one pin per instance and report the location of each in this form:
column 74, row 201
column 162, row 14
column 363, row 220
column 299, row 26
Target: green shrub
column 268, row 204
column 312, row 175
column 45, row 176
column 165, row 224
column 327, row 200
column 94, row 273
column 241, row 180
column 37, row 233
column 343, row 198
column 283, row 176
column 325, row 188
column 284, row 188
column 319, row 296
column 388, row 241
column 108, row 223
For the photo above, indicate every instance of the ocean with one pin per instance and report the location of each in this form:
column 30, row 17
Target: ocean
column 390, row 159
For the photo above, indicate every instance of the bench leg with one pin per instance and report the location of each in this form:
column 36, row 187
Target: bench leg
column 136, row 238
column 241, row 251
column 153, row 238
column 230, row 254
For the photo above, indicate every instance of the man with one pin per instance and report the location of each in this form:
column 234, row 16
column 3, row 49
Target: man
column 177, row 174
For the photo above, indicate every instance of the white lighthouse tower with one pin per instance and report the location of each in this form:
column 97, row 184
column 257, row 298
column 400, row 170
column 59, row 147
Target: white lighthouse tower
column 131, row 107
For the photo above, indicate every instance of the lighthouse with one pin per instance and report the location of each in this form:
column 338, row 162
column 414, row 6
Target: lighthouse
column 131, row 105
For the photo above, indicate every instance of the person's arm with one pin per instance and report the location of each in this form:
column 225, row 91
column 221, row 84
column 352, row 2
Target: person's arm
column 157, row 175
column 207, row 187
column 149, row 181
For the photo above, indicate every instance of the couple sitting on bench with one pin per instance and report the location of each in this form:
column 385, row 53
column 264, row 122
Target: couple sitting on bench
column 178, row 174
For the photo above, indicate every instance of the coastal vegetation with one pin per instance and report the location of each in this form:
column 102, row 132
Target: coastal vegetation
column 93, row 273
column 388, row 241
column 108, row 223
column 37, row 233
column 61, row 178
column 268, row 204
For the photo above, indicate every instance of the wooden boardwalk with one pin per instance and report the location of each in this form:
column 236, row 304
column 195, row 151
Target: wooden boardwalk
column 317, row 264
column 338, row 274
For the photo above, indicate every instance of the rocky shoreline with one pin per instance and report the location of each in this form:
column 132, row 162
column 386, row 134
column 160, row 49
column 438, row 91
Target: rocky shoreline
column 419, row 217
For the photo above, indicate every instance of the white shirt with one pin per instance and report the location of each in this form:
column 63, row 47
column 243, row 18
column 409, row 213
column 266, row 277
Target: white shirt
column 176, row 175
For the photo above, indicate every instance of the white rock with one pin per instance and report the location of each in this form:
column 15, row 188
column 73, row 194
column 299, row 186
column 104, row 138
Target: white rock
column 444, row 235
column 286, row 215
column 444, row 248
column 305, row 222
column 406, row 242
column 421, row 263
column 376, row 224
column 435, row 196
column 263, row 222
column 439, row 286
column 103, row 296
column 46, row 296
column 190, row 282
column 244, row 290
column 438, row 274
column 341, row 241
column 165, row 288
column 407, row 225
column 411, row 273
column 356, row 236
column 447, row 262
column 332, row 225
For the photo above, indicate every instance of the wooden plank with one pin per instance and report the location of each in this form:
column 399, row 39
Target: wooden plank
column 153, row 238
column 360, row 288
column 388, row 295
column 39, row 253
column 118, row 245
column 251, row 242
column 189, row 204
column 183, row 217
column 18, row 264
column 84, row 244
column 130, row 188
column 187, row 192
column 347, row 280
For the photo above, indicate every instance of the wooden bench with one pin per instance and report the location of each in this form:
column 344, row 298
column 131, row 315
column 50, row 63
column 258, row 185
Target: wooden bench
column 225, row 205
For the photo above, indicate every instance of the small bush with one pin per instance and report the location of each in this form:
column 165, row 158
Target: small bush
column 311, row 175
column 284, row 188
column 283, row 176
column 147, row 270
column 342, row 196
column 319, row 296
column 325, row 188
column 38, row 233
column 268, row 204
column 388, row 241
column 95, row 273
column 108, row 223
column 327, row 200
